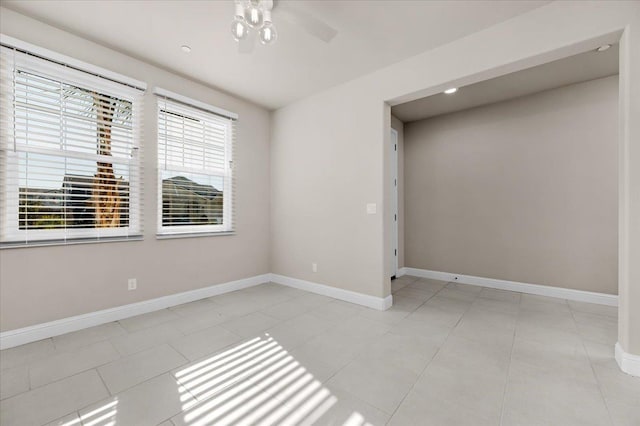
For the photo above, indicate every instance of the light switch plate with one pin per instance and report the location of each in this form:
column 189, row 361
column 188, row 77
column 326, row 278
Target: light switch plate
column 371, row 208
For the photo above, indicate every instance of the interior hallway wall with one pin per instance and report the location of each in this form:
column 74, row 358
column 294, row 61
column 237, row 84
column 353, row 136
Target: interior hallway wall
column 524, row 190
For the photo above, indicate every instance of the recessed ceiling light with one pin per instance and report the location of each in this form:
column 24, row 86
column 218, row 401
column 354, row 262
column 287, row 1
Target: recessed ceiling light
column 450, row 91
column 185, row 48
column 603, row 47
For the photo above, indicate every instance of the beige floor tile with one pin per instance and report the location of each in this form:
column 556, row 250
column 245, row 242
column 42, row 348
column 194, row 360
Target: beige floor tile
column 533, row 302
column 248, row 365
column 330, row 351
column 443, row 354
column 279, row 392
column 200, row 321
column 131, row 343
column 599, row 352
column 338, row 408
column 72, row 419
column 50, row 402
column 428, row 283
column 315, row 364
column 474, row 289
column 360, row 328
column 380, row 382
column 247, row 410
column 14, row 381
column 406, row 279
column 501, row 295
column 440, row 311
column 551, row 319
column 416, row 292
column 567, row 361
column 455, row 294
column 472, row 390
column 299, row 330
column 148, row 320
column 401, row 308
column 77, row 339
column 417, row 410
column 473, row 355
column 194, row 308
column 66, row 364
column 622, row 413
column 129, row 371
column 294, row 307
column 592, row 308
column 492, row 304
column 413, row 352
column 597, row 328
column 491, row 318
column 434, row 332
column 472, row 328
column 149, row 403
column 337, row 311
column 237, row 303
column 534, row 397
column 25, row 354
column 250, row 325
column 204, row 342
column 616, row 384
column 545, row 335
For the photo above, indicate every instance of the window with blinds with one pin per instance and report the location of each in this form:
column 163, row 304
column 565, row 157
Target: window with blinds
column 195, row 163
column 70, row 153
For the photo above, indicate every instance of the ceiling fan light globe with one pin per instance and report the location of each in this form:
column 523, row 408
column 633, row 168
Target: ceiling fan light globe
column 268, row 34
column 239, row 29
column 253, row 16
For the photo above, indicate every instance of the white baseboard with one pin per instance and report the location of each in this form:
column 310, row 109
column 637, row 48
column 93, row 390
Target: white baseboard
column 401, row 272
column 378, row 303
column 541, row 290
column 9, row 339
column 628, row 363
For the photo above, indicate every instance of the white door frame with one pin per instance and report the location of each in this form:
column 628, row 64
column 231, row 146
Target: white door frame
column 394, row 202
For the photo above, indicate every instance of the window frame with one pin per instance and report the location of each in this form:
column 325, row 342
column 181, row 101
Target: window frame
column 182, row 105
column 59, row 68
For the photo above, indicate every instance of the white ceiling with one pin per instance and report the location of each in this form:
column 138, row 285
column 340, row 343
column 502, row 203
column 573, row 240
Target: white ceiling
column 574, row 69
column 371, row 34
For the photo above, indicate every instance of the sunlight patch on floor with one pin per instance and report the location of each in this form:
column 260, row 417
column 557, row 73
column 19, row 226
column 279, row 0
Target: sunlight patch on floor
column 256, row 382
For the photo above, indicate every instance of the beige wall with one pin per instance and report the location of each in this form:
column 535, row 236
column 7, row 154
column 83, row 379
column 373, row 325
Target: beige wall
column 524, row 190
column 346, row 129
column 47, row 283
column 333, row 144
column 399, row 127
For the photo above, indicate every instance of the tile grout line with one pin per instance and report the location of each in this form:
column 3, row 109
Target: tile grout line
column 434, row 355
column 506, row 382
column 386, row 333
column 604, row 400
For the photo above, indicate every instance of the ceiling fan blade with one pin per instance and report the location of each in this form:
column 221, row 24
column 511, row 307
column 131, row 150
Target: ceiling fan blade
column 306, row 21
column 246, row 45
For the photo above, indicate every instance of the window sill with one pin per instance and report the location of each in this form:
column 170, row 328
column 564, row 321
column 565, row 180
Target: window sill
column 193, row 235
column 45, row 243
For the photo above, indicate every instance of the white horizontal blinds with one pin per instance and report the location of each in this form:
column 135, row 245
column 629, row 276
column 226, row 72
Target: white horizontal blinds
column 70, row 153
column 195, row 162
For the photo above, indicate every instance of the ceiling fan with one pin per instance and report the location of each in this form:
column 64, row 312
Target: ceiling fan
column 253, row 20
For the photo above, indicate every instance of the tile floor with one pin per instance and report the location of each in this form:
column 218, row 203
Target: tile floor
column 444, row 354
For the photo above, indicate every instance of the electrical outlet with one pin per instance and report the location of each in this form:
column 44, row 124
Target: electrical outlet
column 133, row 284
column 314, row 267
